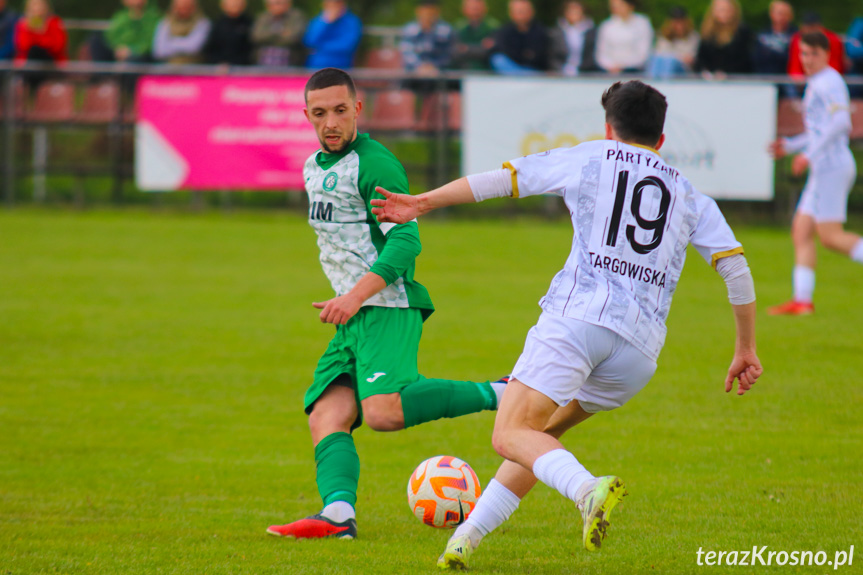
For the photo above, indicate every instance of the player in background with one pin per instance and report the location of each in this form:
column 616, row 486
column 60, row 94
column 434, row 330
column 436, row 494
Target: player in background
column 823, row 150
column 369, row 371
column 603, row 319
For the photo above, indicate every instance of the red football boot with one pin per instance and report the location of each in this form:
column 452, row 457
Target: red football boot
column 316, row 527
column 792, row 308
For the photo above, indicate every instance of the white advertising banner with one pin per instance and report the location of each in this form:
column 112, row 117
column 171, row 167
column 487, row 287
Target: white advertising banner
column 716, row 133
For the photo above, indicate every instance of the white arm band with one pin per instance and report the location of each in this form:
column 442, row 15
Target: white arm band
column 796, row 143
column 738, row 279
column 493, row 184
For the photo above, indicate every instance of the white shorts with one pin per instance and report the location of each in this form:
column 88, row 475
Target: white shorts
column 825, row 196
column 568, row 359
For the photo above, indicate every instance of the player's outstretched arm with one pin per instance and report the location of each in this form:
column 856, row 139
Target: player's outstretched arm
column 745, row 367
column 402, row 208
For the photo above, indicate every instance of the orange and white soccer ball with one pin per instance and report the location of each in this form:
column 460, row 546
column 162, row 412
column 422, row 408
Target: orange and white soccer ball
column 442, row 491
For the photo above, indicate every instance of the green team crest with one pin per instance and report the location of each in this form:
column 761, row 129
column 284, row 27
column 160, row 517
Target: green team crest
column 330, row 181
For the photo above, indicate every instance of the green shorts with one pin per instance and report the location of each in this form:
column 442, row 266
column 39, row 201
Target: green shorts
column 376, row 350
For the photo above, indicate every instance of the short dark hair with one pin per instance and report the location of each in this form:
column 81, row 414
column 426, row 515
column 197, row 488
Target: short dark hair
column 810, row 18
column 678, row 13
column 816, row 40
column 329, row 77
column 636, row 111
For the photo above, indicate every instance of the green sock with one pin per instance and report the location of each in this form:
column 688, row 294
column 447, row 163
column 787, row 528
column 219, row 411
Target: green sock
column 430, row 399
column 338, row 468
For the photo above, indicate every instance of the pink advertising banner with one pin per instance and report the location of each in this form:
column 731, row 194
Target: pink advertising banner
column 211, row 133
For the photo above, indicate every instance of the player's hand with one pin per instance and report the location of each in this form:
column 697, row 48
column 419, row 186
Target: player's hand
column 799, row 164
column 338, row 310
column 777, row 148
column 395, row 208
column 746, row 369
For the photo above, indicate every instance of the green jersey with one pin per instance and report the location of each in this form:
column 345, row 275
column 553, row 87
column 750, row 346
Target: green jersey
column 135, row 33
column 352, row 242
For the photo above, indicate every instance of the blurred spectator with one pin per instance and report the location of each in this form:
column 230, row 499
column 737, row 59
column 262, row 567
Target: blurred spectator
column 522, row 46
column 623, row 41
column 129, row 37
column 811, row 22
column 40, row 35
column 230, row 39
column 854, row 45
column 278, row 33
column 771, row 44
column 333, row 36
column 474, row 36
column 181, row 34
column 8, row 19
column 427, row 42
column 573, row 41
column 725, row 41
column 676, row 46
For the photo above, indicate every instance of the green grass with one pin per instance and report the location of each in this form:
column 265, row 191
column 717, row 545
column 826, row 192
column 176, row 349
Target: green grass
column 152, row 367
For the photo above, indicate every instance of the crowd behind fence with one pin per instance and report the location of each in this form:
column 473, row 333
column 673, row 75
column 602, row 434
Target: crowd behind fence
column 713, row 39
column 78, row 122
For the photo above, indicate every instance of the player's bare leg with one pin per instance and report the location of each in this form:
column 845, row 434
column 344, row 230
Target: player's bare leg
column 503, row 494
column 526, row 434
column 520, row 423
column 834, row 237
column 497, row 499
column 384, row 412
column 330, row 425
column 520, row 480
column 803, row 231
column 803, row 236
column 334, row 412
column 523, row 412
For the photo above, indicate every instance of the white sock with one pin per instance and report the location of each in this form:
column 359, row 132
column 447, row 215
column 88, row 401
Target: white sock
column 495, row 506
column 857, row 251
column 498, row 388
column 560, row 469
column 804, row 283
column 339, row 511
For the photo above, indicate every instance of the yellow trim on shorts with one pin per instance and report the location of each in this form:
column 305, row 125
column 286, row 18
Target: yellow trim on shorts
column 513, row 172
column 726, row 254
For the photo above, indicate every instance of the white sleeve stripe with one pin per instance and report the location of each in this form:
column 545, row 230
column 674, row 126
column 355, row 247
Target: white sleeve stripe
column 738, row 279
column 386, row 227
column 493, row 184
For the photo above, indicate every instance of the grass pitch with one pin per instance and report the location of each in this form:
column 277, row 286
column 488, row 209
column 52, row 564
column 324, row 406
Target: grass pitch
column 152, row 368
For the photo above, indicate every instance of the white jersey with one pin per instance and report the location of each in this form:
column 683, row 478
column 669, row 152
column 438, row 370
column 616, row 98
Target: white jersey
column 632, row 217
column 827, row 117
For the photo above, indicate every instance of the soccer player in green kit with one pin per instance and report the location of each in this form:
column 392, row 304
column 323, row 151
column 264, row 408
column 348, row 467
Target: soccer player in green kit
column 369, row 371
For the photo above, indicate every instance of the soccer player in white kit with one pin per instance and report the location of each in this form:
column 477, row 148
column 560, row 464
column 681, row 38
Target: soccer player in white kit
column 823, row 150
column 603, row 321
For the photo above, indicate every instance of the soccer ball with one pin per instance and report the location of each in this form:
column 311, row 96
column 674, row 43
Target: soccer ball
column 442, row 491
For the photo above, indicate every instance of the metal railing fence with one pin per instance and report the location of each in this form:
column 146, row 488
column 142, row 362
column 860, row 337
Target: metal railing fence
column 26, row 129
